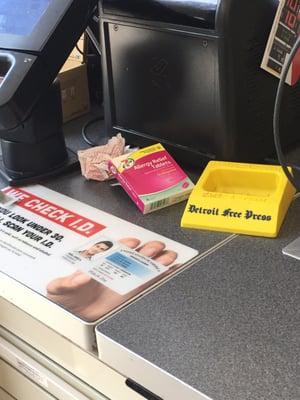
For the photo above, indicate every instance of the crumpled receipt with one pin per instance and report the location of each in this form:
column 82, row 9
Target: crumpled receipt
column 94, row 161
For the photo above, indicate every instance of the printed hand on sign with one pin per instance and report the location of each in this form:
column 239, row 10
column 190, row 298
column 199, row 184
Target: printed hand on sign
column 89, row 299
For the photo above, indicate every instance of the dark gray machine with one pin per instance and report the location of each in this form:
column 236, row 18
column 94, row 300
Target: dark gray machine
column 187, row 74
column 36, row 37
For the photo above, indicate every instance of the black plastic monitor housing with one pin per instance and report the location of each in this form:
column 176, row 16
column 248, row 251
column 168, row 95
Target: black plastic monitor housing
column 31, row 134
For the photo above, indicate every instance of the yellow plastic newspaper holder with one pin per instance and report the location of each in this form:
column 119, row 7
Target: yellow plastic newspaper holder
column 241, row 198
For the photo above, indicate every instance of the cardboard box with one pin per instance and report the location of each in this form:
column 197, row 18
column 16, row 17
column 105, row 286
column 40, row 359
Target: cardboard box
column 74, row 84
column 77, row 55
column 74, row 90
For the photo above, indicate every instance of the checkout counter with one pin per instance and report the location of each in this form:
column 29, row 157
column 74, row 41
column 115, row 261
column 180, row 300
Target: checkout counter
column 225, row 328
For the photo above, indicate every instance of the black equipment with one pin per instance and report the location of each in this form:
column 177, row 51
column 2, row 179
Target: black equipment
column 187, row 74
column 36, row 37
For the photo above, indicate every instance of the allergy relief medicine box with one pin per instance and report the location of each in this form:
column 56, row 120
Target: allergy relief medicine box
column 152, row 178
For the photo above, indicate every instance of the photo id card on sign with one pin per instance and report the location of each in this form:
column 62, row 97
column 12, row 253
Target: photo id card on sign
column 116, row 266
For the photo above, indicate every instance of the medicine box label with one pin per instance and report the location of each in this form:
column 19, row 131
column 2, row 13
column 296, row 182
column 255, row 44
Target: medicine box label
column 152, row 178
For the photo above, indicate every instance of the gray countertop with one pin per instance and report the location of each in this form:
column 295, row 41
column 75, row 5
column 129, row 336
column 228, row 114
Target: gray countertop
column 229, row 325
